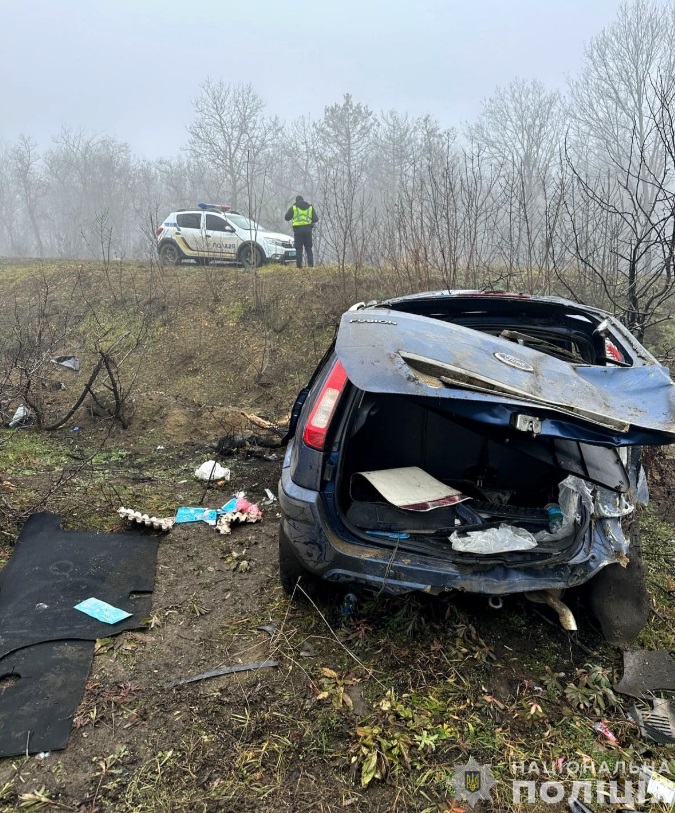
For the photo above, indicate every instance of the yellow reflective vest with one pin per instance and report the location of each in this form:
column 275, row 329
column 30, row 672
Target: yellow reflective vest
column 302, row 217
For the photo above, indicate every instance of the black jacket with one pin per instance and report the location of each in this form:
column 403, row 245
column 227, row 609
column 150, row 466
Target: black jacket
column 302, row 205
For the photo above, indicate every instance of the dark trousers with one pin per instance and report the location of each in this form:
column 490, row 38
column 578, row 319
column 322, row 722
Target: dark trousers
column 303, row 238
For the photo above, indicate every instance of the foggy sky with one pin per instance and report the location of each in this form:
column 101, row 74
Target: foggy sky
column 131, row 68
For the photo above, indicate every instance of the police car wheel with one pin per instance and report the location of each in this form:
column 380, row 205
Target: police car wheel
column 251, row 256
column 169, row 254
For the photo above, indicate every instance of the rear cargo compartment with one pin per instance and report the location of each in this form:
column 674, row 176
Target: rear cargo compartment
column 504, row 485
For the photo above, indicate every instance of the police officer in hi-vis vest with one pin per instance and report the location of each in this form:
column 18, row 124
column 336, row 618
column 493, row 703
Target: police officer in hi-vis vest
column 303, row 217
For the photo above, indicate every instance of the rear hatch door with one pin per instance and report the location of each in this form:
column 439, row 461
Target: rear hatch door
column 493, row 381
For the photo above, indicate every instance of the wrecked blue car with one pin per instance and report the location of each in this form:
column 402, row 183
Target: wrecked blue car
column 476, row 441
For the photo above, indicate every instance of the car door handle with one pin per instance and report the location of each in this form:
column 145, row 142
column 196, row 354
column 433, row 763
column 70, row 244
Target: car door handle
column 208, row 236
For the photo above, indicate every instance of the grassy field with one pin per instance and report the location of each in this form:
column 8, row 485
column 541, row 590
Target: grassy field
column 369, row 714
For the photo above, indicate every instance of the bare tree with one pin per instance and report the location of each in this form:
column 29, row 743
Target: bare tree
column 231, row 132
column 26, row 168
column 619, row 203
column 345, row 136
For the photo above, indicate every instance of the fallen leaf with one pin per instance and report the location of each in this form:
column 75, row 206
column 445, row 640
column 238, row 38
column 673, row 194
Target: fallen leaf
column 368, row 769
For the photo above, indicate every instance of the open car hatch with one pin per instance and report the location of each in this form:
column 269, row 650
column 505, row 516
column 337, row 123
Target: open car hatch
column 493, row 380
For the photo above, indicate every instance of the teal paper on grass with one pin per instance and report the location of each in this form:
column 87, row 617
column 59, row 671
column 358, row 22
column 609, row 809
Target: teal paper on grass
column 102, row 611
column 186, row 514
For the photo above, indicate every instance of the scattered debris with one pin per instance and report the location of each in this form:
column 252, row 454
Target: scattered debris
column 226, row 670
column 579, row 807
column 22, row 417
column 657, row 724
column 158, row 523
column 238, row 509
column 307, row 650
column 248, row 441
column 102, row 611
column 261, row 422
column 645, row 672
column 211, row 470
column 230, row 443
column 67, row 361
column 270, row 629
column 659, row 787
column 348, row 606
column 270, row 497
column 603, row 728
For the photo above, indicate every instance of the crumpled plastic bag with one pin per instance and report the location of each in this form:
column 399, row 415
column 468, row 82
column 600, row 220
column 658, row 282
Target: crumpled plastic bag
column 570, row 491
column 212, row 471
column 68, row 361
column 494, row 540
column 22, row 417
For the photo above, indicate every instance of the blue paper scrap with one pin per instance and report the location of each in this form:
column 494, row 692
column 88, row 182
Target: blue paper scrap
column 185, row 514
column 102, row 611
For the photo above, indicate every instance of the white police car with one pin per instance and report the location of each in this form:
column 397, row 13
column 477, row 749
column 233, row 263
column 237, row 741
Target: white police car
column 211, row 232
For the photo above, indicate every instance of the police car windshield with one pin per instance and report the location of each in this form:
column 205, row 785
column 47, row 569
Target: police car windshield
column 244, row 223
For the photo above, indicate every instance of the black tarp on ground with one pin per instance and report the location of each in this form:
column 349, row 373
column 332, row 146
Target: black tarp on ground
column 50, row 571
column 40, row 688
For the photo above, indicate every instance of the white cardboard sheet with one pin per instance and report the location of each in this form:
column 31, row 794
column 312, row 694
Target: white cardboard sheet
column 412, row 488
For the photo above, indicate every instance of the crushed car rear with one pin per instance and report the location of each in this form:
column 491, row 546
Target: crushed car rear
column 482, row 443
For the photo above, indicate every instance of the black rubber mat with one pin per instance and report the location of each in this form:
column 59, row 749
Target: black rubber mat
column 40, row 689
column 52, row 570
column 46, row 645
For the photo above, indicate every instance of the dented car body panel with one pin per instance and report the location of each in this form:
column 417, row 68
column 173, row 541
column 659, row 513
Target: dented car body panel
column 517, row 402
column 409, row 354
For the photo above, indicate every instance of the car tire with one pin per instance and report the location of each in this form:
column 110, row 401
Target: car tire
column 618, row 596
column 170, row 254
column 250, row 256
column 291, row 571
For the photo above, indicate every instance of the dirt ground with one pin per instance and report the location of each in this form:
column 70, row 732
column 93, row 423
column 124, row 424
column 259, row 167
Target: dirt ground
column 368, row 714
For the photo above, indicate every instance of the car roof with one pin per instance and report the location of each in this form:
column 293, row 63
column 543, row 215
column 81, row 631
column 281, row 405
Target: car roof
column 484, row 296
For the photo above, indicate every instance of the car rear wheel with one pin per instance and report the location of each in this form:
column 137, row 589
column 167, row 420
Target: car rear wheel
column 291, row 571
column 250, row 256
column 618, row 596
column 170, row 254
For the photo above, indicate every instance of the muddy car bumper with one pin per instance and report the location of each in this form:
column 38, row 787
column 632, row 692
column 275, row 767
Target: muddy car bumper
column 309, row 526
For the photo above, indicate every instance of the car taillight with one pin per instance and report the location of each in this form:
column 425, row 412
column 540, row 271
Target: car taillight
column 612, row 351
column 159, row 230
column 324, row 408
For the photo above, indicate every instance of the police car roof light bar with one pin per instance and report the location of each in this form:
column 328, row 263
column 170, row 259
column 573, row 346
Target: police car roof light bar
column 214, row 207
